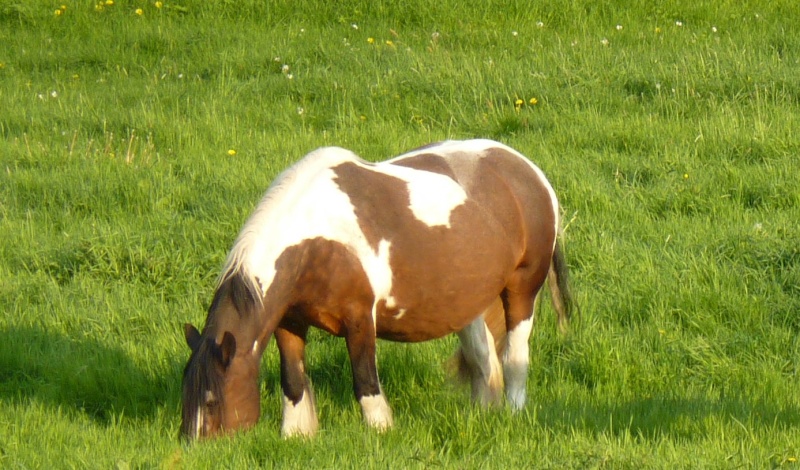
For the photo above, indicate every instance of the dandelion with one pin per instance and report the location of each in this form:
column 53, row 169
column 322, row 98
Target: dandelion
column 370, row 40
column 158, row 4
column 533, row 101
column 231, row 152
column 389, row 43
column 98, row 7
column 658, row 30
column 686, row 176
column 139, row 11
column 58, row 12
column 109, row 2
column 791, row 459
column 518, row 104
column 362, row 118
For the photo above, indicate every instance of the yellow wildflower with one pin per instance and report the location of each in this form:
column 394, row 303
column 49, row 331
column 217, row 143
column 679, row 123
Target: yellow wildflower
column 59, row 12
column 158, row 4
column 370, row 40
column 109, row 2
column 518, row 104
column 533, row 101
column 139, row 11
column 231, row 152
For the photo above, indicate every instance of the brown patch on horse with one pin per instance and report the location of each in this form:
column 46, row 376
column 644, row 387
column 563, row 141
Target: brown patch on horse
column 329, row 285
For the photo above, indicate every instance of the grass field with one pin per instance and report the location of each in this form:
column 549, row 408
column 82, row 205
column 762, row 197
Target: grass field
column 136, row 137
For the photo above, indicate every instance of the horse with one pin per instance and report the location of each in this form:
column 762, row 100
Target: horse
column 454, row 237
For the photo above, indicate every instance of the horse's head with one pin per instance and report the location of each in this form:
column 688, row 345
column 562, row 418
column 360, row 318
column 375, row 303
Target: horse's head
column 220, row 389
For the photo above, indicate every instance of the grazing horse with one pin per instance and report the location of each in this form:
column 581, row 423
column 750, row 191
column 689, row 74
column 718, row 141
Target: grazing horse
column 433, row 242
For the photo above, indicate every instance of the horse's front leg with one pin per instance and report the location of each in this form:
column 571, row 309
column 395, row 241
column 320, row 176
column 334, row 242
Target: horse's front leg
column 360, row 337
column 299, row 410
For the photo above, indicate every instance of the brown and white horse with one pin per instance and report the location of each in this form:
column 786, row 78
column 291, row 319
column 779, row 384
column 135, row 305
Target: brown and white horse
column 436, row 241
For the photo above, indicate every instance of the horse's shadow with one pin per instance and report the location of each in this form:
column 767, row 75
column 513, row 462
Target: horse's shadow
column 83, row 374
column 104, row 382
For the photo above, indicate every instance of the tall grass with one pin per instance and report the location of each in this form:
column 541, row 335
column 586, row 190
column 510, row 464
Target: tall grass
column 134, row 145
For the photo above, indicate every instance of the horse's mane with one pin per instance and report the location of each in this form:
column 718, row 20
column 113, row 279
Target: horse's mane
column 288, row 186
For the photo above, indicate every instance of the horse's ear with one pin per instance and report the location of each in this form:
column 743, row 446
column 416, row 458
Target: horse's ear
column 192, row 336
column 226, row 349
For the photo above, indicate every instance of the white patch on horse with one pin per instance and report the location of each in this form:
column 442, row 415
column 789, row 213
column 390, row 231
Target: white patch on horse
column 449, row 150
column 379, row 272
column 515, row 364
column 377, row 413
column 255, row 347
column 300, row 419
column 400, row 314
column 432, row 197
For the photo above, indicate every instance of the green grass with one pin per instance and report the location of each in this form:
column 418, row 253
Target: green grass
column 673, row 148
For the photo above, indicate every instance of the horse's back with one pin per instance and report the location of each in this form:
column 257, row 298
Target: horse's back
column 509, row 186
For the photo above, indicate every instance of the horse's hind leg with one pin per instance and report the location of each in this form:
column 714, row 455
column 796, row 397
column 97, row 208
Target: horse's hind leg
column 360, row 337
column 519, row 321
column 299, row 410
column 480, row 357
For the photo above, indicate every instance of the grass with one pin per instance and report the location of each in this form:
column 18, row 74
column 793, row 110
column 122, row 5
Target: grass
column 668, row 130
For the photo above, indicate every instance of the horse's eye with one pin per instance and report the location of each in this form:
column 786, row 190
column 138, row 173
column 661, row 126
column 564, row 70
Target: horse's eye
column 211, row 400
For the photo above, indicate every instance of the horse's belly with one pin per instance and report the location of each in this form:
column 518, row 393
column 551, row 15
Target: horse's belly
column 415, row 325
column 434, row 315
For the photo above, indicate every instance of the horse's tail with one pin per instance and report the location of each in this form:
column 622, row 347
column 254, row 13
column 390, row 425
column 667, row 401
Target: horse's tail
column 560, row 296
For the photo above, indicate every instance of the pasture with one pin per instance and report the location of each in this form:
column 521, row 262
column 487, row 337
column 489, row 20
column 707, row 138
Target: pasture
column 137, row 136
